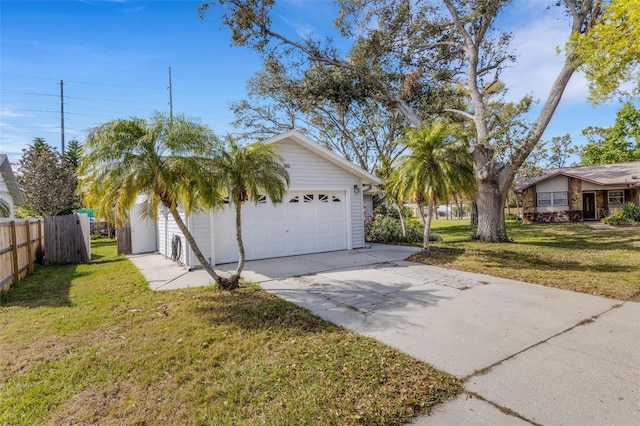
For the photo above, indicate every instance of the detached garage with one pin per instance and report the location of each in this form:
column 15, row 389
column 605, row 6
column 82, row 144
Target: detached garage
column 323, row 210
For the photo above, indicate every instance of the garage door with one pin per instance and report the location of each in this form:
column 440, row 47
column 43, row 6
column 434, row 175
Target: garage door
column 305, row 222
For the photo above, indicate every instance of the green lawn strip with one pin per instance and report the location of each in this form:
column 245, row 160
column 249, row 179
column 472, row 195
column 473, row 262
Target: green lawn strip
column 604, row 262
column 99, row 346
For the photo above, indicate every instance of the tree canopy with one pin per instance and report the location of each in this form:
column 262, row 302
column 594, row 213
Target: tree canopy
column 616, row 144
column 422, row 60
column 609, row 53
column 47, row 183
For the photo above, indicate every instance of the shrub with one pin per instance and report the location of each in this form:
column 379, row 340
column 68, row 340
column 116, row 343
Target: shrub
column 617, row 218
column 631, row 212
column 511, row 216
column 389, row 230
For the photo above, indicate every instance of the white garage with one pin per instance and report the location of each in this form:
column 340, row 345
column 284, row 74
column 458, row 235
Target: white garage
column 323, row 210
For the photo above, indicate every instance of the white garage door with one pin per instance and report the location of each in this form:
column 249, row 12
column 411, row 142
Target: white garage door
column 305, row 222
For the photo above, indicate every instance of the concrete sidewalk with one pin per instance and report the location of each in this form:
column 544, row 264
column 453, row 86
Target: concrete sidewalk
column 528, row 354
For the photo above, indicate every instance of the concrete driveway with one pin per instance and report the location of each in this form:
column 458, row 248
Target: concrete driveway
column 528, row 354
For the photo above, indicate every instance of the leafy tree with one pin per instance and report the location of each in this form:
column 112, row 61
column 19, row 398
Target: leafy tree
column 609, row 53
column 420, row 60
column 248, row 173
column 48, row 185
column 616, row 144
column 363, row 133
column 438, row 165
column 168, row 164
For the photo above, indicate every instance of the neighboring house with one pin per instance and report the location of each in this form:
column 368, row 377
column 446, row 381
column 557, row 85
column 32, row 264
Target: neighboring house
column 322, row 210
column 9, row 190
column 574, row 194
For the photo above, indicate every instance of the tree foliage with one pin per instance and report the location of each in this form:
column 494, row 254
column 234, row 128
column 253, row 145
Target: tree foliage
column 179, row 165
column 362, row 132
column 47, row 183
column 165, row 161
column 421, row 59
column 616, row 144
column 609, row 54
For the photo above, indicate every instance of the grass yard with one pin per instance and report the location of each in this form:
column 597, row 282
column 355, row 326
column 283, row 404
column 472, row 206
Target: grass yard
column 90, row 343
column 576, row 257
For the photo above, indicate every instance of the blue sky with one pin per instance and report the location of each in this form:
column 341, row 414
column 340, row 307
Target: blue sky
column 113, row 57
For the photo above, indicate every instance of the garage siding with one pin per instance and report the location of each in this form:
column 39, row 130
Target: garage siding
column 199, row 224
column 309, row 171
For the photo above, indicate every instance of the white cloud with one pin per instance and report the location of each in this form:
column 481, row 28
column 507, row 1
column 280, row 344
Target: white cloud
column 9, row 113
column 538, row 32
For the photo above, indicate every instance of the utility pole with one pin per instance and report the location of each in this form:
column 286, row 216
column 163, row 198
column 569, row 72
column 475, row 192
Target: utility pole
column 62, row 115
column 170, row 100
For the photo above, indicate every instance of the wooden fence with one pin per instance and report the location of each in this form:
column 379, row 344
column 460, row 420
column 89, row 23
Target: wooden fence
column 21, row 246
column 52, row 240
column 67, row 239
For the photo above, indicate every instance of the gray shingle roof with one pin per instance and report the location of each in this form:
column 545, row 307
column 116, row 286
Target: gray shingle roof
column 603, row 174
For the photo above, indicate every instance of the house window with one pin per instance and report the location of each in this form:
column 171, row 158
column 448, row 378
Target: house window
column 335, row 199
column 323, row 198
column 294, row 200
column 262, row 199
column 552, row 199
column 308, row 198
column 616, row 197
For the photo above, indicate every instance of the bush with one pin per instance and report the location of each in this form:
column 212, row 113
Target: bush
column 511, row 216
column 631, row 212
column 617, row 218
column 389, row 230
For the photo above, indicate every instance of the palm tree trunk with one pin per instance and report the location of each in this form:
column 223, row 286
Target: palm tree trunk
column 427, row 227
column 241, row 254
column 192, row 243
column 402, row 223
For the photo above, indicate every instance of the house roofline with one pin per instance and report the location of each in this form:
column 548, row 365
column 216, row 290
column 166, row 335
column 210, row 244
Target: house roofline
column 324, row 153
column 10, row 180
column 560, row 173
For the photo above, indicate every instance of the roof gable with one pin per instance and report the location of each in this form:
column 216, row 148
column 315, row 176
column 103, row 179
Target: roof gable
column 6, row 174
column 305, row 142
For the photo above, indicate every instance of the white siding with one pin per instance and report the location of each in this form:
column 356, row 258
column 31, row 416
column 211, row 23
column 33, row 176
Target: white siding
column 308, row 171
column 199, row 225
column 167, row 229
column 556, row 184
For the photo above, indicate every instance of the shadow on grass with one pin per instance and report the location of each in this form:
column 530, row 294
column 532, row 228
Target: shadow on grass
column 515, row 260
column 576, row 242
column 258, row 310
column 47, row 286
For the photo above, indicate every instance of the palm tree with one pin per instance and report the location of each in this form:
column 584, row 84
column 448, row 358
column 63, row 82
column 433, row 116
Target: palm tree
column 439, row 164
column 5, row 209
column 167, row 160
column 249, row 173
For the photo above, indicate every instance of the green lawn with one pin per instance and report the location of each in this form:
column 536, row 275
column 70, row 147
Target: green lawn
column 571, row 256
column 92, row 344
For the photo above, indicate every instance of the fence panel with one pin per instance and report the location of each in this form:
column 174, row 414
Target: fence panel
column 67, row 239
column 20, row 247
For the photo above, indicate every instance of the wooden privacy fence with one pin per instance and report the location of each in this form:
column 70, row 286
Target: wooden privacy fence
column 52, row 240
column 67, row 239
column 21, row 246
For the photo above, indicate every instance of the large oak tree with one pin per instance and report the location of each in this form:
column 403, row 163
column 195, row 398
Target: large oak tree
column 420, row 59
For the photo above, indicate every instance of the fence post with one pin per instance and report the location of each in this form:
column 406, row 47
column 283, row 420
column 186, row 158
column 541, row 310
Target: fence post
column 14, row 254
column 29, row 248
